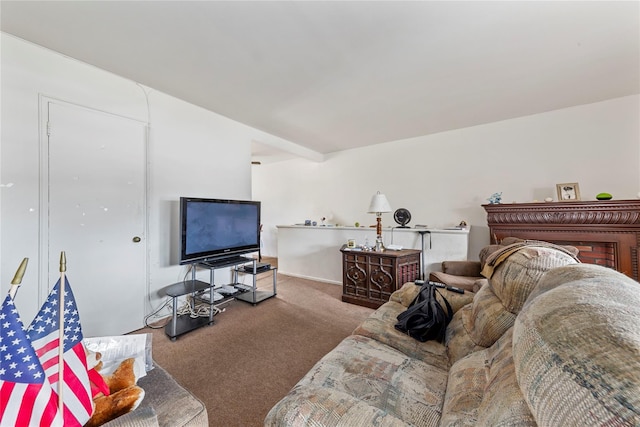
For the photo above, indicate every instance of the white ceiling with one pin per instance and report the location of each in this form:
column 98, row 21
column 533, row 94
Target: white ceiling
column 335, row 75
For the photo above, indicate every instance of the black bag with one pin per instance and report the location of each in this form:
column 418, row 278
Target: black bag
column 425, row 319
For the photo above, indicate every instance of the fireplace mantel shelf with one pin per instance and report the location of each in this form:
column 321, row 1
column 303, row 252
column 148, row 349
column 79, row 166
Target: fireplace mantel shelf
column 615, row 223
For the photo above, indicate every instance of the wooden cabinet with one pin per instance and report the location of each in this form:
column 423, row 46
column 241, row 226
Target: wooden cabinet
column 369, row 278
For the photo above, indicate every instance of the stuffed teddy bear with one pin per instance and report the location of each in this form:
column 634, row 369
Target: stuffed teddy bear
column 121, row 394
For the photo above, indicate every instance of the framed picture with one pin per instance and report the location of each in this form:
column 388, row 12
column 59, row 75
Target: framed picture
column 568, row 192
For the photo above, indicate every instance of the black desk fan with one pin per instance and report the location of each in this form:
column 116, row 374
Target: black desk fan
column 402, row 216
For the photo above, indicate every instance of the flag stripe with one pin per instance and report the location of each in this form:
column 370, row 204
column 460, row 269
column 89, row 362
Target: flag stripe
column 29, row 398
column 52, row 345
column 72, row 382
column 6, row 392
column 47, row 351
column 44, row 332
column 26, row 397
column 49, row 415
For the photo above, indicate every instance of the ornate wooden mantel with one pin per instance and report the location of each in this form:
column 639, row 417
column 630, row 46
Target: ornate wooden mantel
column 588, row 225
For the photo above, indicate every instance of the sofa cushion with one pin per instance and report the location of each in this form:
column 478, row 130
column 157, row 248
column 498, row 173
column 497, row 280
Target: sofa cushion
column 465, row 390
column 489, row 249
column 483, row 391
column 457, row 340
column 578, row 344
column 503, row 403
column 407, row 293
column 478, row 284
column 515, row 271
column 380, row 327
column 462, row 282
column 487, row 320
column 381, row 377
column 320, row 406
column 570, row 273
column 456, row 300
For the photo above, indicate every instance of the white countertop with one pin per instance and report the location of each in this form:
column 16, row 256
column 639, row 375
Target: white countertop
column 313, row 252
column 394, row 229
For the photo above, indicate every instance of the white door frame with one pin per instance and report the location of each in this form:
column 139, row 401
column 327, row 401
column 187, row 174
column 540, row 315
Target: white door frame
column 44, row 263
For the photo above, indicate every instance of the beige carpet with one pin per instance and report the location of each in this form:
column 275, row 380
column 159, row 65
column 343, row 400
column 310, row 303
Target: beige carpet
column 253, row 355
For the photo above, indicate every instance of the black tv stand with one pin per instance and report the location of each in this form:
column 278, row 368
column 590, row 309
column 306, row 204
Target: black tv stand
column 181, row 324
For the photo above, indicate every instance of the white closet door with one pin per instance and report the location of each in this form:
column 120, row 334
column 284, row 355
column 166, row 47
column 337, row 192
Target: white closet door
column 97, row 215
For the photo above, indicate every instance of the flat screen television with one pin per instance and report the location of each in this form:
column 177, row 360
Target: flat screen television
column 218, row 228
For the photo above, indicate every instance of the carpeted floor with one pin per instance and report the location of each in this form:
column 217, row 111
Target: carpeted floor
column 253, row 355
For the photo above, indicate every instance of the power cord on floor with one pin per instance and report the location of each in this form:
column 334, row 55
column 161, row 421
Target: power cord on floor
column 154, row 315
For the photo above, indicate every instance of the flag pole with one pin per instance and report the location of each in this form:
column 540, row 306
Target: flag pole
column 17, row 279
column 63, row 269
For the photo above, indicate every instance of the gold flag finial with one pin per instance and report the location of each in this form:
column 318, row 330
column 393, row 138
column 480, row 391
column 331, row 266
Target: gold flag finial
column 17, row 279
column 63, row 262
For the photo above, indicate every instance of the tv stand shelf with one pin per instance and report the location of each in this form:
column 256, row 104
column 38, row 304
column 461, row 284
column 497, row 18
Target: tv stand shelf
column 252, row 294
column 181, row 324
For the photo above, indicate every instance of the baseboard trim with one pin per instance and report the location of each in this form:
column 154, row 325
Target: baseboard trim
column 317, row 279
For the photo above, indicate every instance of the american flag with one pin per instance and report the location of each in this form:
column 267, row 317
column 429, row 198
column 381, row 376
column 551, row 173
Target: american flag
column 44, row 333
column 26, row 397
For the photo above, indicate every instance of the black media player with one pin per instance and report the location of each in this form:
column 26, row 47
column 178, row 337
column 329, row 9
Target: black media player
column 260, row 267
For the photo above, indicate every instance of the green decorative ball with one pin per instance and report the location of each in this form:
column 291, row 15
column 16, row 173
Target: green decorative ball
column 357, row 224
column 604, row 196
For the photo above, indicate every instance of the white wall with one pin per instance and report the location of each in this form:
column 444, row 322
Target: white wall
column 442, row 179
column 445, row 178
column 191, row 152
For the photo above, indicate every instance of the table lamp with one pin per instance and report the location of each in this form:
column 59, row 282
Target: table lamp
column 379, row 205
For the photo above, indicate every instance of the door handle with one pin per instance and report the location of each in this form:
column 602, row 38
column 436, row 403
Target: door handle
column 136, row 239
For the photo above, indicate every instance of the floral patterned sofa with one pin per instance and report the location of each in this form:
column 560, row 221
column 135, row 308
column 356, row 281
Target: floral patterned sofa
column 545, row 341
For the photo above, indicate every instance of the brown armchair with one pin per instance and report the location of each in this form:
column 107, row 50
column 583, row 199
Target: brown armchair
column 466, row 274
column 461, row 274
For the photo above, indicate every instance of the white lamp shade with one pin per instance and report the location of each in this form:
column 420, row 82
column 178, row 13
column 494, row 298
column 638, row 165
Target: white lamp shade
column 379, row 204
